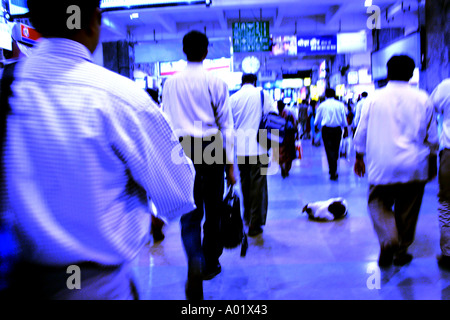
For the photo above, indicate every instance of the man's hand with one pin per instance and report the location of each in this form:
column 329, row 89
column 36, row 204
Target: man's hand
column 360, row 166
column 231, row 180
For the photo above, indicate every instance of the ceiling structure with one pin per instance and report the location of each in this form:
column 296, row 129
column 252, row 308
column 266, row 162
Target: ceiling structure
column 286, row 17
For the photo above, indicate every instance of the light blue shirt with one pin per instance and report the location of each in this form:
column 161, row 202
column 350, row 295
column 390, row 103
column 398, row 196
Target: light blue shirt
column 246, row 105
column 86, row 149
column 331, row 113
column 397, row 132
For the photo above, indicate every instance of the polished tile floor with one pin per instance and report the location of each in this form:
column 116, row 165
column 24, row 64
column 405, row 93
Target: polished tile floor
column 299, row 259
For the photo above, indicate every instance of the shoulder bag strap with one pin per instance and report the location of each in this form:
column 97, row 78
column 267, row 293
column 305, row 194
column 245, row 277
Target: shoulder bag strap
column 262, row 103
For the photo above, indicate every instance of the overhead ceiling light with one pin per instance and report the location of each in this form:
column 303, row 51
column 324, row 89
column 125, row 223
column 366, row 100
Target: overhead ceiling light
column 368, row 3
column 134, row 16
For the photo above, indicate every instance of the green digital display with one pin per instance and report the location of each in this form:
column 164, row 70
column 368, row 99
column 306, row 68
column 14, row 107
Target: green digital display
column 251, row 36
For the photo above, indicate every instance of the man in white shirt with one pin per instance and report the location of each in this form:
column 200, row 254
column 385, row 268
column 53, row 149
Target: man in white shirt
column 248, row 105
column 358, row 109
column 85, row 151
column 197, row 104
column 331, row 115
column 441, row 101
column 398, row 134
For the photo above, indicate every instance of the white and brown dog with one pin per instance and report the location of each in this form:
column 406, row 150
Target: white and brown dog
column 328, row 210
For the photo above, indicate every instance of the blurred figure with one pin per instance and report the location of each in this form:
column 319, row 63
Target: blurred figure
column 85, row 151
column 248, row 105
column 331, row 116
column 303, row 119
column 19, row 50
column 358, row 109
column 197, row 104
column 280, row 106
column 288, row 152
column 347, row 136
column 398, row 133
column 316, row 133
column 441, row 101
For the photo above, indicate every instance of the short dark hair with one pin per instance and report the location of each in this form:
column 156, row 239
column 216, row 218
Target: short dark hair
column 49, row 17
column 400, row 68
column 195, row 45
column 364, row 94
column 249, row 78
column 330, row 93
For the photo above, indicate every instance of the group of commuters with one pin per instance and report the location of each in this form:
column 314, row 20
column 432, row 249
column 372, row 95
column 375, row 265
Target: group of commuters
column 86, row 155
column 396, row 143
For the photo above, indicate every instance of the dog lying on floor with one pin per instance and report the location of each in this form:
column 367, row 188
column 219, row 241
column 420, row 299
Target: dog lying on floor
column 328, row 210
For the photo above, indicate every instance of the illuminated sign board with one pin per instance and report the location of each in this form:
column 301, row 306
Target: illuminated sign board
column 353, row 77
column 284, row 45
column 317, row 45
column 351, row 42
column 323, row 70
column 251, row 36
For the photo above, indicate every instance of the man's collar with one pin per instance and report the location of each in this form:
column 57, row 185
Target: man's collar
column 63, row 47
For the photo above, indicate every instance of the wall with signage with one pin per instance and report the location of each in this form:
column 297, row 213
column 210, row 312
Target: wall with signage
column 317, row 45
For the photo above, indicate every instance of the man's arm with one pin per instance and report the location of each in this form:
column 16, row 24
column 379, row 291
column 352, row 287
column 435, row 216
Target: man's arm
column 432, row 140
column 360, row 141
column 144, row 140
column 224, row 118
column 318, row 119
column 269, row 104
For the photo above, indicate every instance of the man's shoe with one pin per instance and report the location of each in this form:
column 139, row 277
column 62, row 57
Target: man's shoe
column 334, row 177
column 386, row 255
column 211, row 272
column 444, row 262
column 402, row 259
column 254, row 231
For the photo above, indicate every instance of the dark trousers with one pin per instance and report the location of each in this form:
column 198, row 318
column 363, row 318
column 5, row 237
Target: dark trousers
column 394, row 210
column 208, row 196
column 332, row 139
column 444, row 201
column 254, row 190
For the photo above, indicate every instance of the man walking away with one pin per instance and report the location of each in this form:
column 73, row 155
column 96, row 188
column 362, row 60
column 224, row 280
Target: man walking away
column 332, row 117
column 248, row 106
column 441, row 101
column 398, row 134
column 197, row 104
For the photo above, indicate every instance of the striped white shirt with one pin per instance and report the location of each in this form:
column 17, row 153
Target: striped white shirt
column 86, row 149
